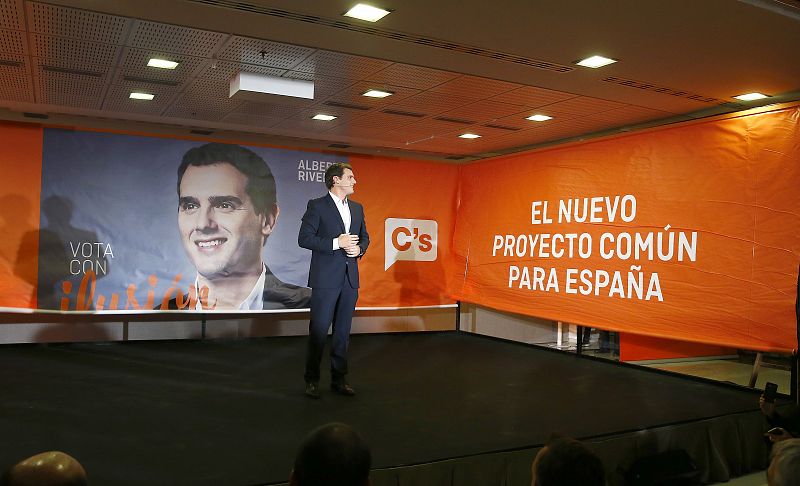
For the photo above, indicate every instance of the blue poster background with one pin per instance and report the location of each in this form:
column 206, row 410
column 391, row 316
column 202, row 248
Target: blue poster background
column 121, row 191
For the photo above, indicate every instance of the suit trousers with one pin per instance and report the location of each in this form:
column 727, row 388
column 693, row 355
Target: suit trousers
column 330, row 306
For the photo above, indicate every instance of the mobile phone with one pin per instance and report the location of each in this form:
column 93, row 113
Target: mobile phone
column 770, row 392
column 775, row 431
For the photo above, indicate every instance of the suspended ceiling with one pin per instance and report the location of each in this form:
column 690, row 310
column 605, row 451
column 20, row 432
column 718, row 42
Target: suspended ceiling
column 454, row 67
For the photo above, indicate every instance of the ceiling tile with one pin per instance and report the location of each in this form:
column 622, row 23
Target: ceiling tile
column 355, row 94
column 532, row 96
column 12, row 15
column 264, row 53
column 474, row 87
column 118, row 100
column 380, row 120
column 251, row 120
column 335, row 64
column 193, row 111
column 175, row 39
column 268, row 109
column 412, row 76
column 62, row 49
column 630, row 114
column 581, row 105
column 12, row 42
column 134, row 63
column 324, row 86
column 483, row 110
column 225, row 71
column 429, row 103
column 15, row 83
column 71, row 90
column 76, row 24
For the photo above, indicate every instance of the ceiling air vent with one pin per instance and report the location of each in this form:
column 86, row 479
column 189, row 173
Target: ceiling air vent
column 632, row 83
column 385, row 33
column 502, row 127
column 10, row 63
column 77, row 72
column 456, row 157
column 162, row 82
column 405, row 113
column 201, row 132
column 40, row 116
column 339, row 145
column 454, row 120
column 347, row 105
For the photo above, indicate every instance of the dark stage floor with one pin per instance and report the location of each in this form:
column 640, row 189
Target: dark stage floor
column 233, row 412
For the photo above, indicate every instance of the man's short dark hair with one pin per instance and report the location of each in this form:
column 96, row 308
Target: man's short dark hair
column 335, row 170
column 333, row 455
column 565, row 461
column 260, row 181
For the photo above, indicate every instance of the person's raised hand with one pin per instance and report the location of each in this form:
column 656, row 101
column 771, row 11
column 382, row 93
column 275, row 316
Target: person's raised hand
column 767, row 408
column 347, row 240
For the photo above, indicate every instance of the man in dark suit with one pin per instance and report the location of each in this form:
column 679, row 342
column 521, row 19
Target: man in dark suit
column 227, row 208
column 333, row 228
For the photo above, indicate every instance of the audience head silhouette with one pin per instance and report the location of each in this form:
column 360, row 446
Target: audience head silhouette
column 52, row 468
column 784, row 466
column 566, row 462
column 332, row 455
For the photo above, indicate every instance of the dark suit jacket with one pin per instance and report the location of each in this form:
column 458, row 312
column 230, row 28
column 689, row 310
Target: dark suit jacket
column 277, row 295
column 321, row 224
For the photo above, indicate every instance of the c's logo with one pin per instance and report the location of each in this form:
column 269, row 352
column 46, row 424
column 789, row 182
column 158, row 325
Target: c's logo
column 410, row 240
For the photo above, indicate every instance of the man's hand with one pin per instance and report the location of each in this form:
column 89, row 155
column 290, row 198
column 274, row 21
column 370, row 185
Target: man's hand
column 347, row 241
column 778, row 434
column 353, row 251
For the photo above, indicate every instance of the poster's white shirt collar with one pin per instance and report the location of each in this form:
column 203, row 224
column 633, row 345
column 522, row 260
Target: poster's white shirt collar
column 254, row 301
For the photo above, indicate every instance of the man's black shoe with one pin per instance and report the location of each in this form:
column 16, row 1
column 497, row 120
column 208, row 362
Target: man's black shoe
column 343, row 388
column 312, row 390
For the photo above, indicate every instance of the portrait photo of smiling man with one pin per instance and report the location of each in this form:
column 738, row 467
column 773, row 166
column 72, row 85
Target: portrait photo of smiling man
column 227, row 209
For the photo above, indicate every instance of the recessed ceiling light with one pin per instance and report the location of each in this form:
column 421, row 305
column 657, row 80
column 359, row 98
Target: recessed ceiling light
column 595, row 62
column 322, row 117
column 162, row 63
column 376, row 93
column 469, row 135
column 141, row 96
column 539, row 118
column 362, row 11
column 751, row 96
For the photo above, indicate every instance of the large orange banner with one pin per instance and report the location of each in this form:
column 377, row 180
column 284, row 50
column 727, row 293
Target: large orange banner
column 689, row 232
column 109, row 222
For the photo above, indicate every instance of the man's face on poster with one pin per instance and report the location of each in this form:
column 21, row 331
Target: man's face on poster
column 220, row 229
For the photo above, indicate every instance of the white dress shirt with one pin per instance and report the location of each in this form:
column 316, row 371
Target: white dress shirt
column 344, row 212
column 254, row 301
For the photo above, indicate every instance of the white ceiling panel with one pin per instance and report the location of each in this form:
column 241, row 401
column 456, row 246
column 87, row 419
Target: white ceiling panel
column 118, row 99
column 175, row 39
column 340, row 65
column 76, row 24
column 15, row 84
column 62, row 49
column 411, row 76
column 474, row 87
column 532, row 96
column 225, row 71
column 134, row 63
column 264, row 53
column 253, row 120
column 12, row 15
column 12, row 42
column 268, row 109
